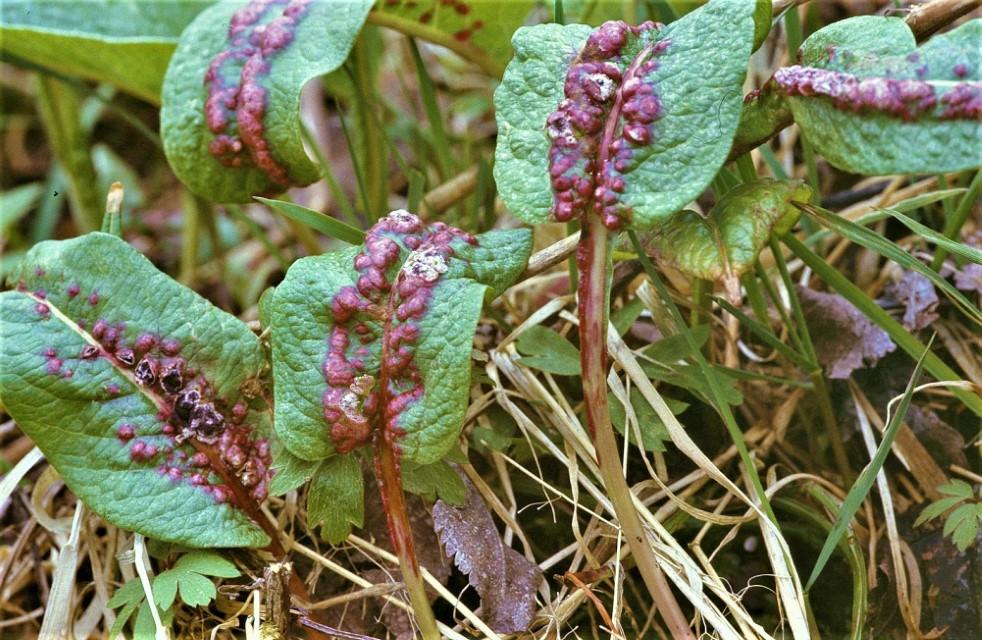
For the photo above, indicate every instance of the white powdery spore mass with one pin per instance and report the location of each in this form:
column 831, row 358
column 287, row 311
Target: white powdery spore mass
column 427, row 265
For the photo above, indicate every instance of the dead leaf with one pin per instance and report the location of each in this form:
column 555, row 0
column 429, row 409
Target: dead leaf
column 505, row 579
column 969, row 278
column 917, row 296
column 844, row 338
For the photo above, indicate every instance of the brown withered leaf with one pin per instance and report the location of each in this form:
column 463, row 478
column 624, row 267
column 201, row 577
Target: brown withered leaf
column 505, row 579
column 917, row 296
column 844, row 338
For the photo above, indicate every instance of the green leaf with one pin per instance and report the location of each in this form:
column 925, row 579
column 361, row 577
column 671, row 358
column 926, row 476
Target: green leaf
column 337, row 498
column 763, row 15
column 426, row 371
column 187, row 576
column 694, row 70
column 316, row 220
column 263, row 150
column 723, row 245
column 653, row 431
column 16, row 203
column 129, row 596
column 290, row 471
column 437, row 479
column 99, row 40
column 96, row 349
column 546, row 350
column 872, row 102
column 486, row 24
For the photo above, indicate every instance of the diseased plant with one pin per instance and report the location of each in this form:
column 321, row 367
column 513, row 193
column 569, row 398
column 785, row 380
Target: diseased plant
column 157, row 408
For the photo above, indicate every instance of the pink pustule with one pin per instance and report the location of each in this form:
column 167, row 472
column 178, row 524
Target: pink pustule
column 73, row 290
column 356, row 405
column 93, row 299
column 125, row 432
column 42, row 309
column 235, row 107
column 905, row 99
column 608, row 111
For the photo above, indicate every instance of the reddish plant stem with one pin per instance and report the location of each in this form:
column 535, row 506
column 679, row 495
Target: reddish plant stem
column 389, row 475
column 248, row 504
column 591, row 259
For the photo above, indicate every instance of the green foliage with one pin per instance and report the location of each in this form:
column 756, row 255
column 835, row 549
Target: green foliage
column 724, row 244
column 654, row 435
column 336, row 499
column 697, row 81
column 100, row 40
column 75, row 408
column 964, row 522
column 868, row 128
column 320, row 43
column 546, row 350
column 187, row 576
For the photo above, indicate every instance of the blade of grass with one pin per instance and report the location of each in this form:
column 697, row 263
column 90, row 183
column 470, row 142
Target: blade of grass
column 956, row 221
column 841, row 285
column 767, row 336
column 875, row 242
column 863, row 485
column 427, row 94
column 417, row 183
column 316, row 220
column 959, row 249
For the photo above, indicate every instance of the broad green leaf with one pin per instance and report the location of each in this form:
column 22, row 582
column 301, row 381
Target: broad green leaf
column 101, row 356
column 660, row 115
column 872, row 102
column 231, row 153
column 486, row 24
column 290, row 471
column 328, row 367
column 336, row 500
column 126, row 43
column 546, row 350
column 724, row 244
column 763, row 15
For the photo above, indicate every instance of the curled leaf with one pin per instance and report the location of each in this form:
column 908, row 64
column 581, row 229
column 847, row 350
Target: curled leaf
column 231, row 97
column 873, row 102
column 505, row 579
column 724, row 244
column 143, row 395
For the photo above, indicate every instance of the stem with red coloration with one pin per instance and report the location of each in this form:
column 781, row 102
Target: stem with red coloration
column 389, row 476
column 591, row 257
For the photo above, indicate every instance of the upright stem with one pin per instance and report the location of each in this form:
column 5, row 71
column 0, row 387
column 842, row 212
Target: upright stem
column 591, row 258
column 394, row 502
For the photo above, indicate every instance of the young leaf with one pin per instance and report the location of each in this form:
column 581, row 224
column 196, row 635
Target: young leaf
column 101, row 41
column 188, row 576
column 230, row 120
column 546, row 350
column 144, row 396
column 724, row 245
column 379, row 336
column 336, row 499
column 435, row 479
column 632, row 122
column 653, row 431
column 872, row 102
column 505, row 579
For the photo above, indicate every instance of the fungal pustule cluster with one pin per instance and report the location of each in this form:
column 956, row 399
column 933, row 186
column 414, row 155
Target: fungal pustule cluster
column 192, row 420
column 236, row 79
column 902, row 98
column 373, row 379
column 607, row 113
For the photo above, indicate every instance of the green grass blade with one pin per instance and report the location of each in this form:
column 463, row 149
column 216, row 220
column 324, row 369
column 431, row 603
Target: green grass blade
column 956, row 248
column 841, row 285
column 875, row 242
column 317, row 221
column 863, row 485
column 767, row 336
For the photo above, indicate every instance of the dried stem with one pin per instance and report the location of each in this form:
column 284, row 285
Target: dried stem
column 591, row 256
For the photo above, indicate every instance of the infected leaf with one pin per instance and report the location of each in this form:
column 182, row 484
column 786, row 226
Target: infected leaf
column 138, row 391
column 505, row 579
column 915, row 294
